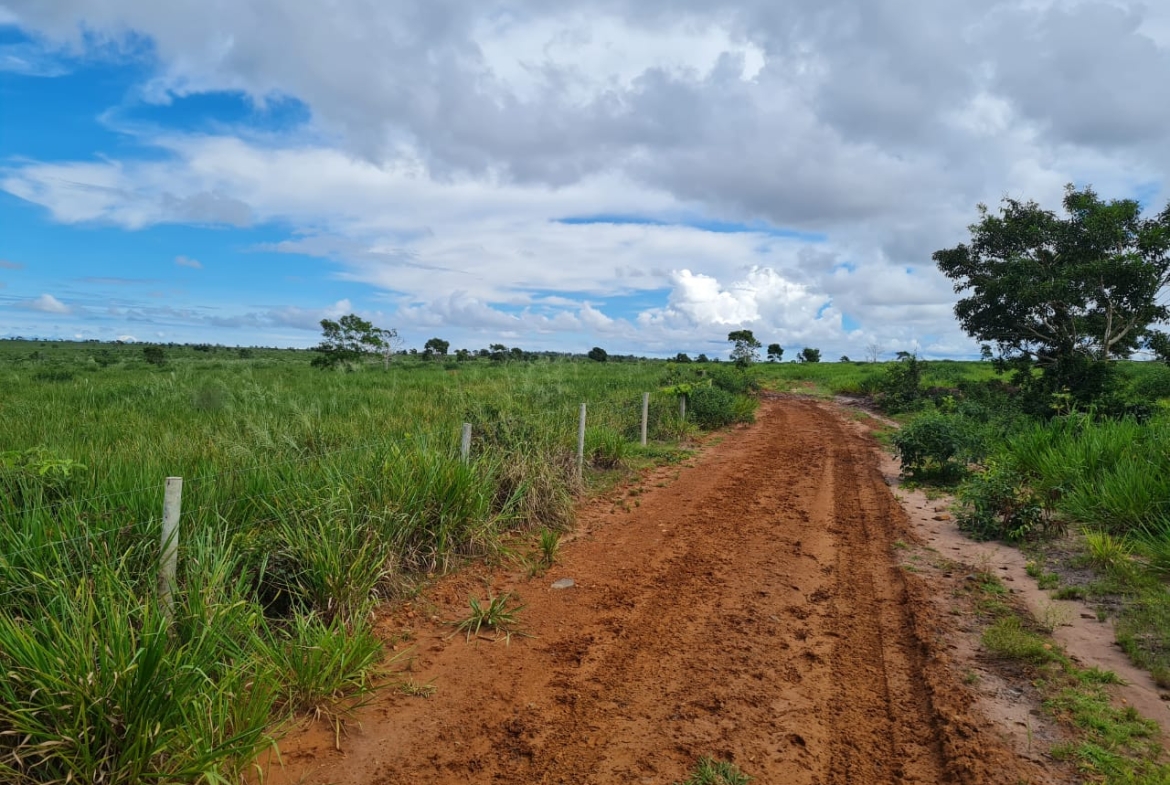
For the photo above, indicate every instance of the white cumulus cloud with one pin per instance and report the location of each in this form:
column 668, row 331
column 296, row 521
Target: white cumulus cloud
column 46, row 303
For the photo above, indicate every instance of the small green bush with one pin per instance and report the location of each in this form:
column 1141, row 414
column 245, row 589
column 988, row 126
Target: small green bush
column 711, row 407
column 997, row 503
column 937, row 447
column 735, row 380
column 900, row 388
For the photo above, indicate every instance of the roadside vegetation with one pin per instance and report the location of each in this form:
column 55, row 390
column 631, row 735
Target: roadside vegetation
column 1106, row 743
column 310, row 494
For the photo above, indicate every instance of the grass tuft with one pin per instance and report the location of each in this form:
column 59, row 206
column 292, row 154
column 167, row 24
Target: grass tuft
column 709, row 771
column 494, row 614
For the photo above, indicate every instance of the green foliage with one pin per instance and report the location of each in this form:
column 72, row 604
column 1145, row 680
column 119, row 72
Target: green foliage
column 745, row 349
column 1063, row 294
column 349, row 339
column 331, row 559
column 711, row 407
column 900, row 389
column 606, row 448
column 550, row 543
column 323, row 668
column 775, row 352
column 96, row 690
column 1106, row 552
column 709, row 771
column 809, row 355
column 37, row 476
column 154, row 355
column 1008, row 638
column 1112, row 474
column 597, row 354
column 937, row 447
column 735, row 380
column 436, row 346
column 997, row 503
column 493, row 614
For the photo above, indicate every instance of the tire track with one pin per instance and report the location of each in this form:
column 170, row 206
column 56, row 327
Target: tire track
column 751, row 610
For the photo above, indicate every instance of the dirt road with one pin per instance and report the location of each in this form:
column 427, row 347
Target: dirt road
column 750, row 609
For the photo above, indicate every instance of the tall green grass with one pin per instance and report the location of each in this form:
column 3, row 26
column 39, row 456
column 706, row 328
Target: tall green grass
column 1109, row 474
column 308, row 497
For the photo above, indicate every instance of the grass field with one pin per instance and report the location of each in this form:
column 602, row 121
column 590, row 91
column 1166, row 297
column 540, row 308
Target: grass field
column 308, row 496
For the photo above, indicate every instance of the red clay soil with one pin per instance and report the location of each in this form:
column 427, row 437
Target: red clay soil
column 751, row 610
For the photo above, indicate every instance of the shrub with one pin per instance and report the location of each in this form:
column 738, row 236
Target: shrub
column 900, row 387
column 711, row 407
column 735, row 380
column 997, row 503
column 937, row 447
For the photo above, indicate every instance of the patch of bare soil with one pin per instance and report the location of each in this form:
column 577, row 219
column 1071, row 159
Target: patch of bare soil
column 752, row 609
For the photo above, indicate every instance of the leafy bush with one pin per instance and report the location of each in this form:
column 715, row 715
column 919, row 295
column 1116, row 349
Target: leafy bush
column 1153, row 383
column 899, row 389
column 937, row 447
column 997, row 503
column 711, row 407
column 37, row 476
column 735, row 380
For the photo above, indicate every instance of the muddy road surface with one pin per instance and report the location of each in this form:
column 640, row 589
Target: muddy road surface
column 746, row 606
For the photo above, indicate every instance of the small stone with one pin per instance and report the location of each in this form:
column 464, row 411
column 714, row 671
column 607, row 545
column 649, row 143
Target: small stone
column 564, row 583
column 942, row 517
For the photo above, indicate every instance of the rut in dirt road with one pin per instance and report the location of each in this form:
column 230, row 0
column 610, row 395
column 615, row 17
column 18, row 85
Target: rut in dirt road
column 750, row 610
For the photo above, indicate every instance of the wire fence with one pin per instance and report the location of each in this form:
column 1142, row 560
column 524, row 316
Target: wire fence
column 623, row 415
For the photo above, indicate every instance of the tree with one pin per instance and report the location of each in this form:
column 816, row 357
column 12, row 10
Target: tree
column 702, row 358
column 1159, row 344
column 597, row 354
column 348, row 340
column 775, row 352
column 844, row 359
column 809, row 355
column 746, row 348
column 1062, row 294
column 436, row 346
column 873, row 351
column 682, row 357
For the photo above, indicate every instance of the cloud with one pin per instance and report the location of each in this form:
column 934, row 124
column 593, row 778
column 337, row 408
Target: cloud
column 6, row 265
column 183, row 261
column 46, row 303
column 445, row 144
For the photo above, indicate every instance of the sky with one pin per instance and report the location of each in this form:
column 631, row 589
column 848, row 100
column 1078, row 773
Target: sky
column 638, row 175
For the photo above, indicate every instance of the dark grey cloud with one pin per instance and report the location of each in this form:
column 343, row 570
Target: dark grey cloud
column 1087, row 74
